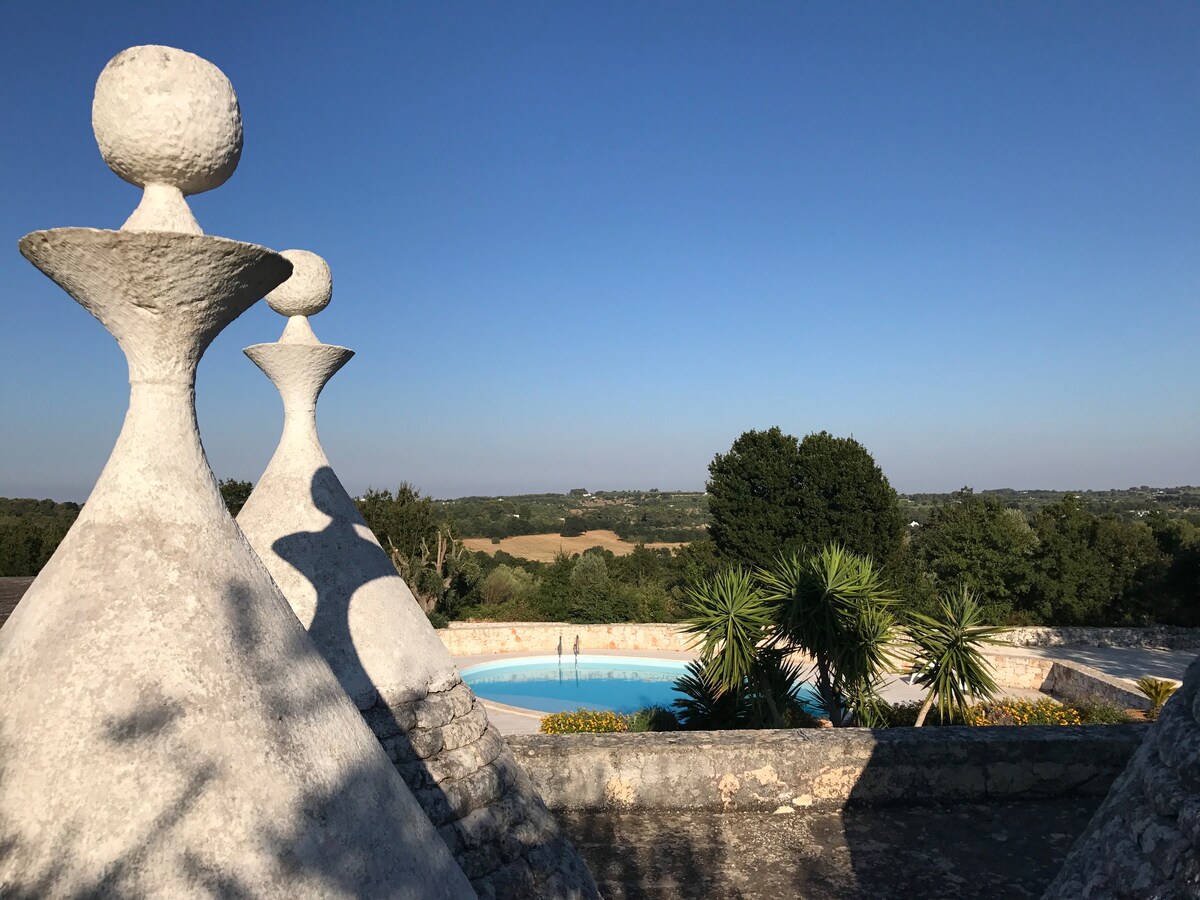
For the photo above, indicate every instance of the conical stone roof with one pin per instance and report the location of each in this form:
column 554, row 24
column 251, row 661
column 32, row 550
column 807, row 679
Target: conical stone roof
column 167, row 728
column 366, row 622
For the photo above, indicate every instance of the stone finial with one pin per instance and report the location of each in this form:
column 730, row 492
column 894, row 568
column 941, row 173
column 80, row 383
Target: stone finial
column 169, row 122
column 305, row 294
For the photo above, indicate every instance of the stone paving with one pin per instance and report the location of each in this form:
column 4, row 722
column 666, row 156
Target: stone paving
column 994, row 851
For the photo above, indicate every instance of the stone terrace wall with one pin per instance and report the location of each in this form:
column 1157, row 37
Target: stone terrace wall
column 474, row 639
column 1159, row 637
column 770, row 770
column 466, row 639
column 1064, row 679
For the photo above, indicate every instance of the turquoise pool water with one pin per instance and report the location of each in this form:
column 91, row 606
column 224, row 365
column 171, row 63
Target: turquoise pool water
column 617, row 683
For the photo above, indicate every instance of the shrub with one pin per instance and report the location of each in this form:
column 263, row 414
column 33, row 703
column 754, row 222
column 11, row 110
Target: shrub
column 653, row 718
column 437, row 619
column 507, row 583
column 1022, row 712
column 1157, row 691
column 584, row 721
column 1098, row 711
column 904, row 715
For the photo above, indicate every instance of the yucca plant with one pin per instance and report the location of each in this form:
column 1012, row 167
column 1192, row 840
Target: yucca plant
column 836, row 607
column 1157, row 691
column 731, row 618
column 703, row 707
column 947, row 655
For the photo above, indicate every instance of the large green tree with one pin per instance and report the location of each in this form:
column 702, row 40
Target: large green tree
column 978, row 542
column 1092, row 570
column 773, row 495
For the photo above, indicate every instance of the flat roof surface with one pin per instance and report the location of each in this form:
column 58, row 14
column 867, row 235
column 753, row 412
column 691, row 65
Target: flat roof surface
column 993, row 850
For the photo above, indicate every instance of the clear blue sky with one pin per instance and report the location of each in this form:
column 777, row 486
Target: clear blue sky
column 588, row 244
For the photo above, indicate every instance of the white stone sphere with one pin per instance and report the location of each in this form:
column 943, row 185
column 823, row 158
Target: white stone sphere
column 309, row 289
column 166, row 116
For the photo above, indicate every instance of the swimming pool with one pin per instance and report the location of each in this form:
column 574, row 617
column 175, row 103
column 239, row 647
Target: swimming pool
column 618, row 683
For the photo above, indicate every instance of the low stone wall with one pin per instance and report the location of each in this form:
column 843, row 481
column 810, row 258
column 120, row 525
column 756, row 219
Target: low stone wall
column 1159, row 637
column 467, row 639
column 1064, row 679
column 785, row 770
column 474, row 639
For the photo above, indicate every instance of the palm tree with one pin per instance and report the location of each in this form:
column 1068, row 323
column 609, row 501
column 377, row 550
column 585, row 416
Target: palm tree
column 740, row 675
column 947, row 655
column 836, row 607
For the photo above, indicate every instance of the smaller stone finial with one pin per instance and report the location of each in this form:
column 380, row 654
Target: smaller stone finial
column 305, row 294
column 169, row 122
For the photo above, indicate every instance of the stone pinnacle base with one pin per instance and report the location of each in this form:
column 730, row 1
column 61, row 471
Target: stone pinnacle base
column 1144, row 840
column 481, row 802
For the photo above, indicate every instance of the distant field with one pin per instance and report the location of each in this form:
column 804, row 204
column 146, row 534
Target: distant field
column 544, row 547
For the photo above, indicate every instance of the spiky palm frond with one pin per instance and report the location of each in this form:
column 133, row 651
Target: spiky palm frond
column 947, row 655
column 772, row 692
column 730, row 618
column 1157, row 691
column 703, row 706
column 836, row 607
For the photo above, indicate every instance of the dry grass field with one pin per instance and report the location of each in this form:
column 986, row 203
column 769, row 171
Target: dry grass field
column 544, row 547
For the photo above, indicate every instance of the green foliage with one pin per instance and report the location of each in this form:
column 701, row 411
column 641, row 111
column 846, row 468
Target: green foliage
column 437, row 619
column 835, row 606
column 977, row 542
column 1086, row 711
column 704, row 706
column 1098, row 711
column 591, row 590
column 731, row 617
column 634, row 515
column 235, row 494
column 505, row 584
column 1091, row 569
column 653, row 718
column 30, row 532
column 947, row 658
column 1157, row 691
column 584, row 721
column 754, row 498
column 846, row 499
column 771, row 495
column 904, row 715
column 421, row 545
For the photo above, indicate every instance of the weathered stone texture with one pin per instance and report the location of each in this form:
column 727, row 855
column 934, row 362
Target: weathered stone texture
column 473, row 639
column 1063, row 679
column 485, row 808
column 1144, row 840
column 368, row 626
column 822, row 768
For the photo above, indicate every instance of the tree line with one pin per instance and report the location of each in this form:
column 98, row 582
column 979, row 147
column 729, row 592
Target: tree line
column 770, row 495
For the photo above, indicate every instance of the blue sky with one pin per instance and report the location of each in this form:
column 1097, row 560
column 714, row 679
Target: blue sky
column 588, row 244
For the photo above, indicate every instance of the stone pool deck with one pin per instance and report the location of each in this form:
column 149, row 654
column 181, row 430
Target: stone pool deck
column 992, row 850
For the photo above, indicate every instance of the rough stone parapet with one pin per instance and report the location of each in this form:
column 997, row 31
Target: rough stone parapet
column 830, row 768
column 478, row 638
column 485, row 809
column 1064, row 679
column 1158, row 637
column 1144, row 840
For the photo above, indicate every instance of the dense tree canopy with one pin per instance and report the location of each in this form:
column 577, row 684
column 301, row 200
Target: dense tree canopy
column 980, row 544
column 1092, row 569
column 772, row 495
column 754, row 498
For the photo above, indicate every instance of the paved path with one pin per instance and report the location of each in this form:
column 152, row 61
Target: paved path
column 1120, row 662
